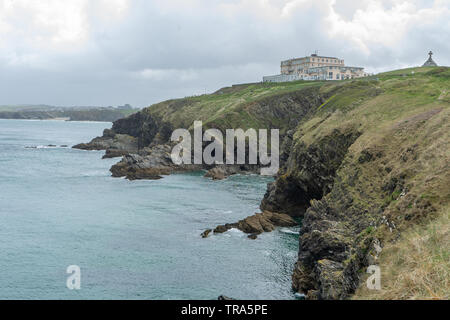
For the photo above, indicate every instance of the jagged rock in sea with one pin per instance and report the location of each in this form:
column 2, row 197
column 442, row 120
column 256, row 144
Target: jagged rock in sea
column 206, row 233
column 116, row 145
column 222, row 171
column 216, row 173
column 224, row 298
column 151, row 163
column 259, row 223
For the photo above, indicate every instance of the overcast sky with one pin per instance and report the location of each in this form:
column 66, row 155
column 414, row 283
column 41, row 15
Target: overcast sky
column 112, row 52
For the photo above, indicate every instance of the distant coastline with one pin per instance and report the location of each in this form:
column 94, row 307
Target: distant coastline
column 100, row 114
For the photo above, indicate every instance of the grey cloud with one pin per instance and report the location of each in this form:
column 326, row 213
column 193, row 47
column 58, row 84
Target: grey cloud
column 199, row 49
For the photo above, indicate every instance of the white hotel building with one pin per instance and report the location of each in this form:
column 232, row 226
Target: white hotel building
column 315, row 67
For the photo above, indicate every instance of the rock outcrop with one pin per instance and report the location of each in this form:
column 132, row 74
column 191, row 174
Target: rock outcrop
column 221, row 171
column 259, row 223
column 130, row 135
column 116, row 145
column 143, row 139
column 151, row 163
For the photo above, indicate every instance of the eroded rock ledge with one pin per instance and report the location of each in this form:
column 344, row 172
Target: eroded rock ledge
column 151, row 163
column 256, row 224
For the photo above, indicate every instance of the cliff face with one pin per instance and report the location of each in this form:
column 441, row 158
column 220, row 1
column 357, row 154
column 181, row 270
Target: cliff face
column 368, row 165
column 308, row 174
column 147, row 129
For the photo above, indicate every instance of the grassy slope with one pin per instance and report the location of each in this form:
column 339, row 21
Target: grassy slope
column 228, row 106
column 404, row 120
column 417, row 266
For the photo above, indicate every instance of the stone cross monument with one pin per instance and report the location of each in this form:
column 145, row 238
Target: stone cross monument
column 430, row 62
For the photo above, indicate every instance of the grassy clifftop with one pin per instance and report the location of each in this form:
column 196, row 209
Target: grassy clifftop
column 236, row 107
column 266, row 106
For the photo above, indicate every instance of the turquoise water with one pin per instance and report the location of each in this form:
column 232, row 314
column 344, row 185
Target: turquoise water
column 132, row 240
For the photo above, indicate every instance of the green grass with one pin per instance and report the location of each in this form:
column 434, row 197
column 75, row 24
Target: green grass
column 417, row 265
column 227, row 105
column 230, row 106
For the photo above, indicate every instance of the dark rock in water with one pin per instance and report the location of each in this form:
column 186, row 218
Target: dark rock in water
column 223, row 298
column 114, row 153
column 259, row 223
column 151, row 163
column 253, row 236
column 64, row 146
column 206, row 233
column 265, row 222
column 115, row 144
column 216, row 174
column 87, row 146
column 221, row 229
column 224, row 228
column 146, row 174
column 220, row 172
column 52, row 146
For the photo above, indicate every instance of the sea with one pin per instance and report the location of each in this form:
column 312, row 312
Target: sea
column 60, row 207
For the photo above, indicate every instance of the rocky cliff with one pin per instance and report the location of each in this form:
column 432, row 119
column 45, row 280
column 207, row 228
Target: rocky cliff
column 368, row 165
column 361, row 162
column 143, row 139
